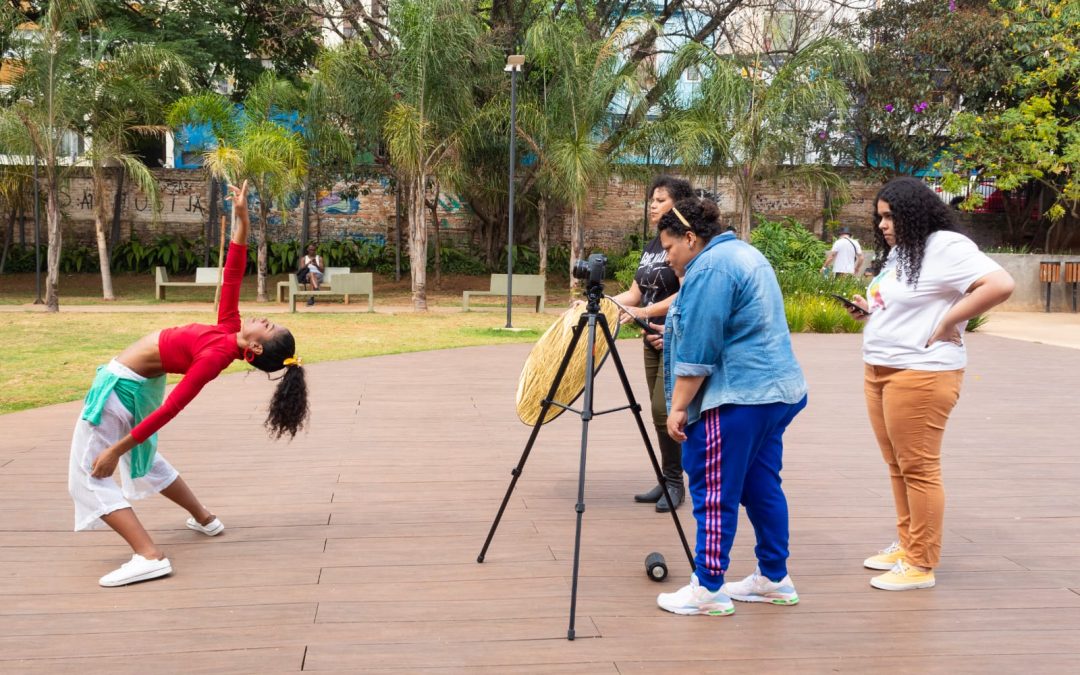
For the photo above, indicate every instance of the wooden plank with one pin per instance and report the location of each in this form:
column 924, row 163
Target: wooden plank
column 354, row 549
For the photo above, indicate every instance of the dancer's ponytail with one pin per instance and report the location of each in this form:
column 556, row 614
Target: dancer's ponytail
column 289, row 404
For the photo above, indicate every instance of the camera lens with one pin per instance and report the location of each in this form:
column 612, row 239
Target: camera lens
column 581, row 270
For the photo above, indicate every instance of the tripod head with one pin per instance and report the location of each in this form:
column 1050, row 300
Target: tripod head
column 593, row 293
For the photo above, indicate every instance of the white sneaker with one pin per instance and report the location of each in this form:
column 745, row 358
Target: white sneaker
column 758, row 588
column 211, row 529
column 137, row 569
column 696, row 599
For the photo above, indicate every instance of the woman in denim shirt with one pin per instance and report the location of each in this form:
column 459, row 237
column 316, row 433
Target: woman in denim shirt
column 733, row 386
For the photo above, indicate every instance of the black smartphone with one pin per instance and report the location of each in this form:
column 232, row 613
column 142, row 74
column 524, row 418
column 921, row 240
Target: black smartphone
column 849, row 304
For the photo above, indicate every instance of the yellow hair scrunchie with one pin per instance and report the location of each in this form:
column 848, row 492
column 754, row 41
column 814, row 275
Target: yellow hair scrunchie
column 292, row 361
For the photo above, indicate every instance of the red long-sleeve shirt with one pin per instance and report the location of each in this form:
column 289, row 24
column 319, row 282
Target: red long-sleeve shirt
column 199, row 351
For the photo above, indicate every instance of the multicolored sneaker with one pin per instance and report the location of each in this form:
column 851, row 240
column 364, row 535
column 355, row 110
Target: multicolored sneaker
column 903, row 577
column 886, row 558
column 696, row 599
column 758, row 588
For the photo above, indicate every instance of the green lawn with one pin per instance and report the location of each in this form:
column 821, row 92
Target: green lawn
column 50, row 358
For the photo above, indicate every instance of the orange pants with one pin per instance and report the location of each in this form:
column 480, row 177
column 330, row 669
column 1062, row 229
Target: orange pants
column 908, row 410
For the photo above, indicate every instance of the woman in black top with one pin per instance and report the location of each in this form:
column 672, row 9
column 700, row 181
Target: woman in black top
column 654, row 287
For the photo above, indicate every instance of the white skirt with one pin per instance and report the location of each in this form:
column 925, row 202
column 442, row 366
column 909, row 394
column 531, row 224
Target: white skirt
column 95, row 497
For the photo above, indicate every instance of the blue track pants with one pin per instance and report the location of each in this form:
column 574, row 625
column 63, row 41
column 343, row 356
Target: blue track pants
column 733, row 455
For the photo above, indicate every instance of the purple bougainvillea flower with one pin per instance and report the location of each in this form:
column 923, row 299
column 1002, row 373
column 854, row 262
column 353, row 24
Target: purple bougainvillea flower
column 952, row 5
column 889, row 107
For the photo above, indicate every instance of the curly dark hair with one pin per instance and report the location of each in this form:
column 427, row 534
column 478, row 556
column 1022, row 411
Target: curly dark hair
column 289, row 405
column 702, row 215
column 677, row 188
column 917, row 212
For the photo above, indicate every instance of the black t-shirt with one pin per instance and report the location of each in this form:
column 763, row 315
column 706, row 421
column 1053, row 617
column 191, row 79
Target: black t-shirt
column 655, row 277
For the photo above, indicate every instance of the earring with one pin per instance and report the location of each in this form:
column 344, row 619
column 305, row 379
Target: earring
column 249, row 355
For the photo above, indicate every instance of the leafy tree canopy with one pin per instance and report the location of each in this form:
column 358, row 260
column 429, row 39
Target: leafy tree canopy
column 1029, row 134
column 224, row 38
column 926, row 59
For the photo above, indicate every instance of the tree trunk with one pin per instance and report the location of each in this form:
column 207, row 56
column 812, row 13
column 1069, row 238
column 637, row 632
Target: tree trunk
column 22, row 220
column 415, row 214
column 52, row 216
column 99, row 231
column 212, row 222
column 399, row 193
column 746, row 195
column 577, row 242
column 264, row 213
column 305, row 223
column 434, row 203
column 118, row 204
column 542, row 233
column 9, row 234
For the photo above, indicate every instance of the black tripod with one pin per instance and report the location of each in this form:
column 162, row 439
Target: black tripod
column 590, row 318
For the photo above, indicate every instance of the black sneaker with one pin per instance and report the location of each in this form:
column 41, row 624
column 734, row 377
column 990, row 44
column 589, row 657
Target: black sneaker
column 311, row 301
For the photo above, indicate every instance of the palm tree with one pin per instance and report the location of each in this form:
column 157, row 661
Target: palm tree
column 128, row 85
column 332, row 136
column 46, row 106
column 754, row 120
column 566, row 124
column 252, row 145
column 421, row 95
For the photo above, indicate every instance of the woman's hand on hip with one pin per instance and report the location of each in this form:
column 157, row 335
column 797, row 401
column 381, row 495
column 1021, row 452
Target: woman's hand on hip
column 676, row 425
column 946, row 332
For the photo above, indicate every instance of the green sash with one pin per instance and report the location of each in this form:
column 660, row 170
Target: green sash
column 139, row 397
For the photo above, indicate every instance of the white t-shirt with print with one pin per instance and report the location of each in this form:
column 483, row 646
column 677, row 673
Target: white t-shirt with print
column 847, row 251
column 903, row 318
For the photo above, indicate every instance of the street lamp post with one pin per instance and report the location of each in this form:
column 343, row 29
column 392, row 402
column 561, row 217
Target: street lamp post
column 514, row 63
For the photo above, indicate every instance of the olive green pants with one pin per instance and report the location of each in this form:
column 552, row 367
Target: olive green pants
column 670, row 450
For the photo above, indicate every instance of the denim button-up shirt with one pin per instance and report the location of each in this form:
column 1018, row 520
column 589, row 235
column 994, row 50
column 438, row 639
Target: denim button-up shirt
column 727, row 323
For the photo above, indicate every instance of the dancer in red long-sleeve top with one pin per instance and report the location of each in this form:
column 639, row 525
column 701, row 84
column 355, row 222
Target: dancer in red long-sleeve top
column 124, row 410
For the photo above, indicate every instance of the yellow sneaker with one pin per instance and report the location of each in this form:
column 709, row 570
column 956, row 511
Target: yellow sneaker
column 885, row 559
column 903, row 577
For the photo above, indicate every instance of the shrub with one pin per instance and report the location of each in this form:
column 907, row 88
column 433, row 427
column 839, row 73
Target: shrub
column 623, row 267
column 975, row 323
column 818, row 314
column 788, row 245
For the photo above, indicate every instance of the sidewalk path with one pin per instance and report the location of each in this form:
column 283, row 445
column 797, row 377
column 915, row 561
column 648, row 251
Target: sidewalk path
column 1055, row 328
column 353, row 548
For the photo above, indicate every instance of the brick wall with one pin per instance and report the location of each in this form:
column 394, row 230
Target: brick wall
column 611, row 216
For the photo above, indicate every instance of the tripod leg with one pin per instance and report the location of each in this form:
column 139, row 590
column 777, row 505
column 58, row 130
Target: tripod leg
column 586, row 415
column 544, row 407
column 636, row 408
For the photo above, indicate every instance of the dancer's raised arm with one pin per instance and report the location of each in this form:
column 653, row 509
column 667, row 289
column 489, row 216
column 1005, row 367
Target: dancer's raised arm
column 238, row 195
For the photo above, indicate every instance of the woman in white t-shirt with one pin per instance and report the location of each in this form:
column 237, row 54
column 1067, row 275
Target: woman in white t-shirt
column 931, row 282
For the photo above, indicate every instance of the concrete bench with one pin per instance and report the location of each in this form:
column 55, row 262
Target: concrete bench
column 328, row 275
column 345, row 283
column 528, row 285
column 205, row 277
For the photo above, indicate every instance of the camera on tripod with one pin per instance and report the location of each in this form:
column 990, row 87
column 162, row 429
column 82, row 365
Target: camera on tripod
column 592, row 270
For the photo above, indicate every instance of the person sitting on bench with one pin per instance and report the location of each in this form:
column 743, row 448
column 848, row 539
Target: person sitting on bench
column 311, row 270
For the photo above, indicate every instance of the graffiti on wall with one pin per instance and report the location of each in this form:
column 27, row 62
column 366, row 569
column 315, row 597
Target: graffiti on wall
column 182, row 201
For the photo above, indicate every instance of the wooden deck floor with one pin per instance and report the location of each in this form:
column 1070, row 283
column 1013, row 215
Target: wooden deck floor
column 353, row 549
